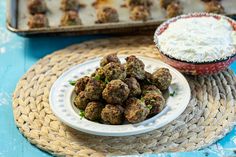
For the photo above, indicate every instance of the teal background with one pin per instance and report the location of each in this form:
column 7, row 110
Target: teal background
column 17, row 55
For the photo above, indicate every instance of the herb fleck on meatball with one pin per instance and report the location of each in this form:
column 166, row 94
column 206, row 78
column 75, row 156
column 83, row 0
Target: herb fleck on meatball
column 37, row 6
column 67, row 5
column 112, row 114
column 107, row 14
column 81, row 101
column 134, row 86
column 109, row 58
column 113, row 71
column 93, row 89
column 80, row 84
column 116, row 92
column 136, row 110
column 93, row 111
column 156, row 100
column 135, row 67
column 99, row 74
column 162, row 78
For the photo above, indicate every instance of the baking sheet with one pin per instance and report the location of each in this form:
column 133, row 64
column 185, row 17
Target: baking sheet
column 88, row 14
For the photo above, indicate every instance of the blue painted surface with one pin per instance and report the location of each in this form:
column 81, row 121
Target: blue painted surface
column 17, row 55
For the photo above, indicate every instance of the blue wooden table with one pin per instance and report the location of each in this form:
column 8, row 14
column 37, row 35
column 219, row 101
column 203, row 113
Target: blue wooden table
column 17, row 55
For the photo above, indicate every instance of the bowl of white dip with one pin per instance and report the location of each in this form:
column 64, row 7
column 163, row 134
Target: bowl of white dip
column 197, row 43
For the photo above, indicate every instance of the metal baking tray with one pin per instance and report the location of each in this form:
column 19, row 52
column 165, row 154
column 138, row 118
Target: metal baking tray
column 17, row 16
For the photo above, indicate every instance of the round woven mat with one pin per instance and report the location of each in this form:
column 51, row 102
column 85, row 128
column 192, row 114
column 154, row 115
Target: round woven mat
column 208, row 117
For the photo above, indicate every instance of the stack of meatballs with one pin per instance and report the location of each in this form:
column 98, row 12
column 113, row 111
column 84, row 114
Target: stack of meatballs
column 117, row 92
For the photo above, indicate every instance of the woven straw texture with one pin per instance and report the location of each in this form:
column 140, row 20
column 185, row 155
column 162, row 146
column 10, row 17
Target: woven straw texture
column 208, row 117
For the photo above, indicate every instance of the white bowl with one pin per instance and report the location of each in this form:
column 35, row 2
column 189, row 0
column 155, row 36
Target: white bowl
column 61, row 101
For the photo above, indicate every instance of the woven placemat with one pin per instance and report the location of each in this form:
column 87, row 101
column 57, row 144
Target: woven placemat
column 208, row 117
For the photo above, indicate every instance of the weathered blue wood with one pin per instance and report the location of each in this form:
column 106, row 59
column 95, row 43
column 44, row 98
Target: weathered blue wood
column 17, row 55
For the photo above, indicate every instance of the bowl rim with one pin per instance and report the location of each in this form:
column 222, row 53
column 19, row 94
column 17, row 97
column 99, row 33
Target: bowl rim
column 199, row 63
column 196, row 14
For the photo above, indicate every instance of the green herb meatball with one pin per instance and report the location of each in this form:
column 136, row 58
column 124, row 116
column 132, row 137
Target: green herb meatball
column 94, row 88
column 162, row 78
column 134, row 86
column 156, row 101
column 135, row 68
column 81, row 101
column 80, row 84
column 114, row 71
column 93, row 111
column 109, row 58
column 136, row 110
column 116, row 92
column 112, row 114
column 37, row 6
column 67, row 5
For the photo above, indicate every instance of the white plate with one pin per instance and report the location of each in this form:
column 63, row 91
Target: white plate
column 61, row 95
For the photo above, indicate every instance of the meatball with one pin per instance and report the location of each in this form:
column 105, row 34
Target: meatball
column 109, row 58
column 214, row 6
column 37, row 6
column 70, row 18
column 107, row 14
column 174, row 9
column 80, row 84
column 116, row 92
column 150, row 88
column 81, row 100
column 93, row 89
column 139, row 13
column 165, row 3
column 112, row 114
column 162, row 78
column 113, row 71
column 93, row 111
column 38, row 21
column 67, row 5
column 136, row 110
column 134, row 86
column 135, row 67
column 156, row 101
column 147, row 80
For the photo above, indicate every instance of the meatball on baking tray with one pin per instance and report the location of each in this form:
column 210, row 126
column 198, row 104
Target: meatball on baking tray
column 136, row 95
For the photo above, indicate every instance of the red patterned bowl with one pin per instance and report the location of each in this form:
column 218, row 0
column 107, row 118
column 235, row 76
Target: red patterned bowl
column 195, row 68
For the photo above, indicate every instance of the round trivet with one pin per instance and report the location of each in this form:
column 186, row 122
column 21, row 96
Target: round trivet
column 208, row 117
